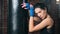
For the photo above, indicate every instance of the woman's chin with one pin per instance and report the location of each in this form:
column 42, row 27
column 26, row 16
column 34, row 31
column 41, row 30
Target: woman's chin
column 42, row 18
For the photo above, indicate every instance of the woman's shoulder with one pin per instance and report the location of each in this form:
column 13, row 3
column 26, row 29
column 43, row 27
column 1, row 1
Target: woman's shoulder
column 50, row 22
column 36, row 18
column 50, row 19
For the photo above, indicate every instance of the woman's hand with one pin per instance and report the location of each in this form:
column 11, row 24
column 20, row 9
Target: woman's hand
column 31, row 10
column 29, row 7
column 25, row 5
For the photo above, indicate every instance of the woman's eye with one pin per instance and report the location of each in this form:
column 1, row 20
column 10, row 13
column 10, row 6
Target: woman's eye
column 39, row 11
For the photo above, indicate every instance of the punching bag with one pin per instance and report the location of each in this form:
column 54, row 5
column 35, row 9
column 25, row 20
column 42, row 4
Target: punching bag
column 17, row 18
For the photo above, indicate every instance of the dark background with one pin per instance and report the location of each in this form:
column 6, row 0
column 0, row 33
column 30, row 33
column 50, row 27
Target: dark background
column 53, row 9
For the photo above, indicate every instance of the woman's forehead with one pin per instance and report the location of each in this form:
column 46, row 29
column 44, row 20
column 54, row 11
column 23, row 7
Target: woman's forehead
column 37, row 10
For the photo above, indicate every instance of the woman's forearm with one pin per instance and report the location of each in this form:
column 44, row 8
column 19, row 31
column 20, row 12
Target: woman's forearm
column 31, row 24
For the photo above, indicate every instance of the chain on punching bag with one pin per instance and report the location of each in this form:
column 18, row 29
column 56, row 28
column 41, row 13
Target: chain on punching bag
column 17, row 19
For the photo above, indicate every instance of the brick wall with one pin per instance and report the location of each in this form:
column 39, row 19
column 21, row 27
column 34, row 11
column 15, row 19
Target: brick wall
column 0, row 19
column 5, row 17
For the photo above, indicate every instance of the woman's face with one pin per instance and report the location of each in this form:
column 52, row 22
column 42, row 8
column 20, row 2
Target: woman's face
column 40, row 13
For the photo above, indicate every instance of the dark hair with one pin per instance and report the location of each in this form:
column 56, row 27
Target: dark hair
column 40, row 5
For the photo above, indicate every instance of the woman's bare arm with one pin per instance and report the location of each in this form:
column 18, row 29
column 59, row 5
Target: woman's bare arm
column 40, row 26
column 31, row 24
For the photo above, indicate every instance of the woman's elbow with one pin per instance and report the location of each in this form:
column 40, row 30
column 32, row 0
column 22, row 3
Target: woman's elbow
column 31, row 30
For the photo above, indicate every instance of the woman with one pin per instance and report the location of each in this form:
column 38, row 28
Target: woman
column 39, row 12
